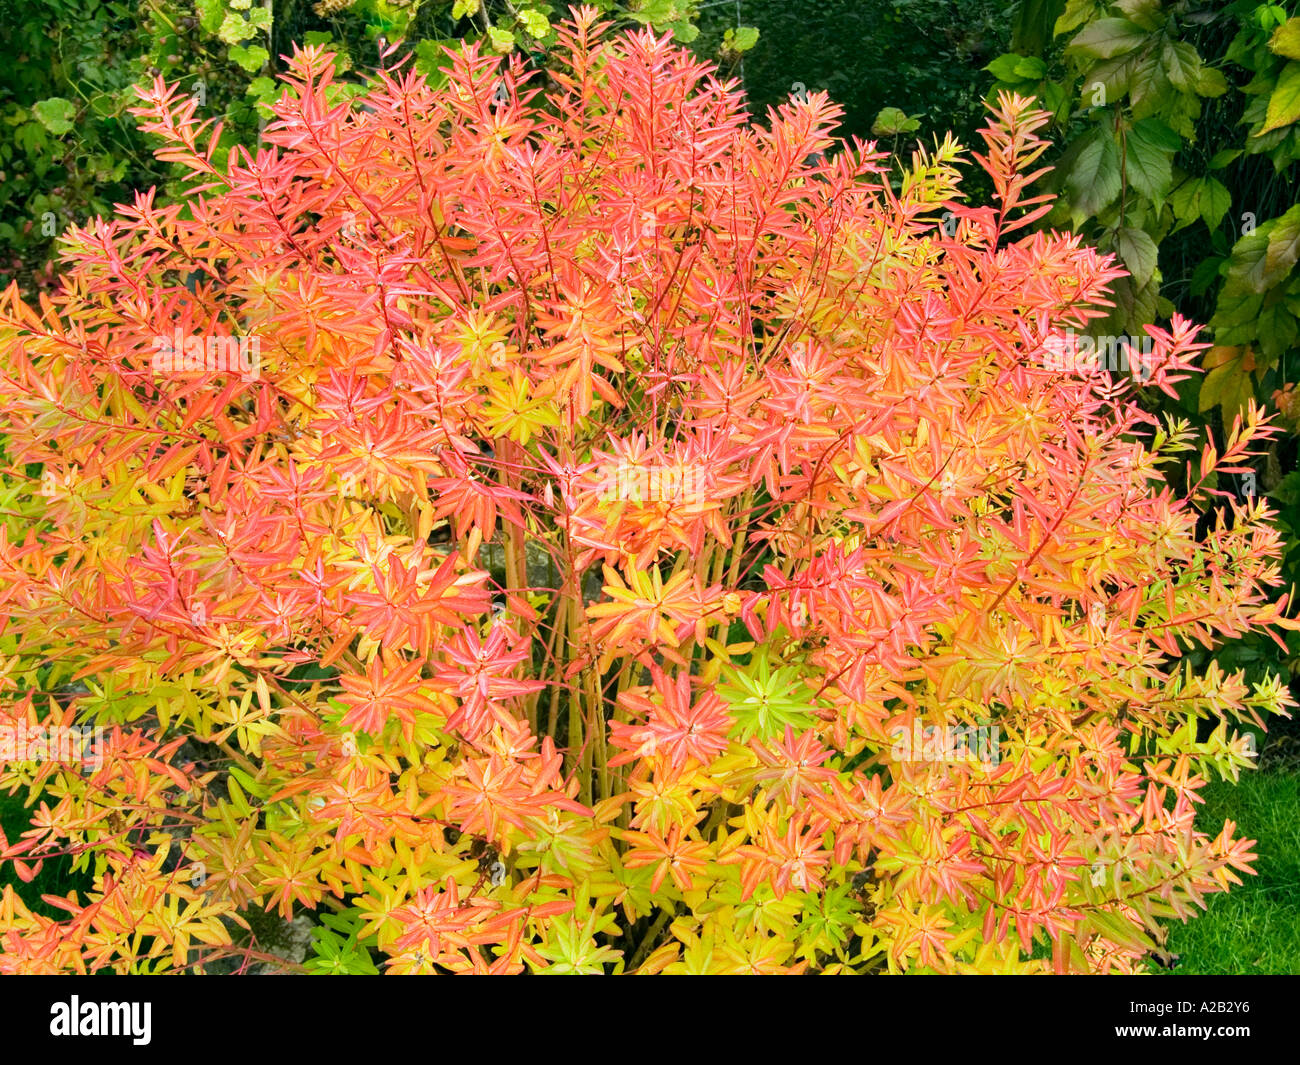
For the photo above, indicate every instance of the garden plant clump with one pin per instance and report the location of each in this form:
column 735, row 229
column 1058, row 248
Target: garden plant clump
column 645, row 540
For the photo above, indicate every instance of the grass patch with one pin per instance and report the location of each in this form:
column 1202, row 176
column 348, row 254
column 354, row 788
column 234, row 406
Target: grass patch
column 1255, row 928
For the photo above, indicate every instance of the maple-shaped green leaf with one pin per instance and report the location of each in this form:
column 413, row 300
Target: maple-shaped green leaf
column 1286, row 39
column 890, row 122
column 252, row 58
column 56, row 114
column 744, row 38
column 536, row 23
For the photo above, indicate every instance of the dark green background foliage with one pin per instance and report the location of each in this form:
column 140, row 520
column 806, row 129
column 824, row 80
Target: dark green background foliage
column 922, row 56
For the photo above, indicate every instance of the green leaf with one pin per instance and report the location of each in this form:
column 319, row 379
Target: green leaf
column 502, row 40
column 1032, row 30
column 1222, row 158
column 1228, row 385
column 1246, row 268
column 1286, row 39
column 1211, row 82
column 1150, row 146
column 745, row 38
column 56, row 114
column 1004, row 67
column 1139, row 253
column 210, row 13
column 1276, row 330
column 1150, row 91
column 264, row 91
column 1206, row 274
column 252, row 58
column 1146, row 13
column 537, row 24
column 1215, row 201
column 1182, row 65
column 1031, row 68
column 684, row 30
column 1120, row 930
column 1094, row 180
column 1107, row 38
column 891, row 121
column 1283, row 247
column 235, row 30
column 1185, row 201
column 1076, row 13
column 1284, row 103
column 464, row 9
column 1235, row 316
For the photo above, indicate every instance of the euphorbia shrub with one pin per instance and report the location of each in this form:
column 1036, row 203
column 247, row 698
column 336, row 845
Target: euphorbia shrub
column 624, row 507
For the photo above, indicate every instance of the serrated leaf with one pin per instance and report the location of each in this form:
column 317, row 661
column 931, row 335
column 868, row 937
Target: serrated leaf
column 1146, row 13
column 1276, row 330
column 1229, row 384
column 56, row 114
column 1107, row 38
column 210, row 13
column 1182, row 65
column 1138, row 252
column 1286, row 39
column 1076, row 13
column 1284, row 102
column 891, row 121
column 1206, row 274
column 1185, row 201
column 236, row 30
column 1215, row 201
column 252, row 58
column 1150, row 146
column 1211, row 82
column 537, row 24
column 1283, row 247
column 1235, row 314
column 1094, row 179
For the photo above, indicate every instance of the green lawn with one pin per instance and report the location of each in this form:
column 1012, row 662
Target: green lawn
column 1255, row 928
